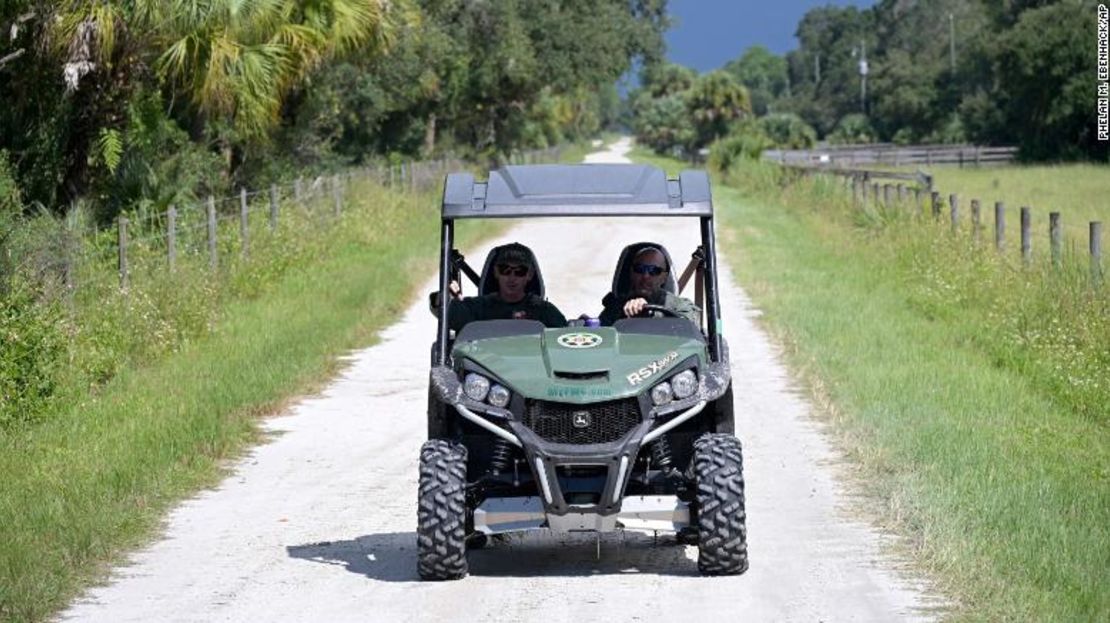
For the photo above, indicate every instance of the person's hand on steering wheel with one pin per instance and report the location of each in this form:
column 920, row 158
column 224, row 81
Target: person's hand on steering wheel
column 634, row 307
column 640, row 307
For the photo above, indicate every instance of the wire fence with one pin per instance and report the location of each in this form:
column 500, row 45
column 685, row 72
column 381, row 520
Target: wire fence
column 213, row 235
column 1061, row 243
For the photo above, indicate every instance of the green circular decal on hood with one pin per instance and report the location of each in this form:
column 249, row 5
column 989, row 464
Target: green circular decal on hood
column 579, row 340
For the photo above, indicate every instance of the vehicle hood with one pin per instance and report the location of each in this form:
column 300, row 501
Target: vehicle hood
column 580, row 365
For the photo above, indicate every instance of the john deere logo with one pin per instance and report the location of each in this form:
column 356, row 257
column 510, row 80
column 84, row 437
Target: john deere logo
column 579, row 340
column 581, row 419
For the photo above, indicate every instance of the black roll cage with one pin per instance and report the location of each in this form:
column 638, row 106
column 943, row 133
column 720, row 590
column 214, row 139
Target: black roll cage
column 577, row 190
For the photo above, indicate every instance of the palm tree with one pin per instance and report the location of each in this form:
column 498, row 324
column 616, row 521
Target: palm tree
column 715, row 100
column 238, row 59
column 233, row 59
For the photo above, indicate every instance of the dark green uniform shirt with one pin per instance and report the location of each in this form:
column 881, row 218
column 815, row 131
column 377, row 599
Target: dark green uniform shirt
column 491, row 307
column 614, row 306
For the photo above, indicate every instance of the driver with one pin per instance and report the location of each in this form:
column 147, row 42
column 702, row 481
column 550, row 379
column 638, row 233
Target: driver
column 648, row 272
column 513, row 270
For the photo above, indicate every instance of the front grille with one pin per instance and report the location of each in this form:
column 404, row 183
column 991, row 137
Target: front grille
column 608, row 421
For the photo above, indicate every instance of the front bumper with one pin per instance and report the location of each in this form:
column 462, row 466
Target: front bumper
column 579, row 485
column 645, row 513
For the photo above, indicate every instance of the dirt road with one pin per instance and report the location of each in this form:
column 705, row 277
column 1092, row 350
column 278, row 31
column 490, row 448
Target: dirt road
column 318, row 524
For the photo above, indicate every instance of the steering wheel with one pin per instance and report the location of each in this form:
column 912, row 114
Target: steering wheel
column 669, row 313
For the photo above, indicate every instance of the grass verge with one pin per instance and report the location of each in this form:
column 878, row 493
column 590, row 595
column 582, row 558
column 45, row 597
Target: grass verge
column 955, row 381
column 1076, row 191
column 165, row 383
column 85, row 485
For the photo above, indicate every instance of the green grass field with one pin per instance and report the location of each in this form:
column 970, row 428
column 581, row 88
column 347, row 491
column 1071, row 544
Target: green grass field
column 972, row 395
column 1079, row 192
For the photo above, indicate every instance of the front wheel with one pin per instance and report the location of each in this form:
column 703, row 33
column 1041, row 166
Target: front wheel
column 441, row 512
column 718, row 473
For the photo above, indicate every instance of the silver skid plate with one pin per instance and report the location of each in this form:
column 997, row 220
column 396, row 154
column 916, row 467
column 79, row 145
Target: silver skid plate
column 646, row 513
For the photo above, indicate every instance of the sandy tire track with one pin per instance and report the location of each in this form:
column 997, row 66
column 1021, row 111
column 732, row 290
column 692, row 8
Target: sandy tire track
column 318, row 524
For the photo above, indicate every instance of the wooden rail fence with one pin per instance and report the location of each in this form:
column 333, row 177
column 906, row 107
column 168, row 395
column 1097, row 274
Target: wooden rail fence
column 894, row 155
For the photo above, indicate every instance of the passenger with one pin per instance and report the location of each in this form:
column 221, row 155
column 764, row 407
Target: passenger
column 514, row 271
column 647, row 275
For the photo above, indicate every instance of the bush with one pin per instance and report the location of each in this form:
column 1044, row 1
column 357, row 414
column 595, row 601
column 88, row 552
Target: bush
column 951, row 133
column 10, row 202
column 788, row 131
column 34, row 340
column 852, row 129
column 746, row 141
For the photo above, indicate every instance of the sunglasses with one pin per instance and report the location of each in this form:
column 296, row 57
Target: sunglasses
column 506, row 269
column 648, row 269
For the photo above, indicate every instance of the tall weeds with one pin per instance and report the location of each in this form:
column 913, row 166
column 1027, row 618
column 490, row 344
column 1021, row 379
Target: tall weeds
column 1048, row 321
column 69, row 326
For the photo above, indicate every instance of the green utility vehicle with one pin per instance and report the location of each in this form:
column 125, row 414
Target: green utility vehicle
column 583, row 428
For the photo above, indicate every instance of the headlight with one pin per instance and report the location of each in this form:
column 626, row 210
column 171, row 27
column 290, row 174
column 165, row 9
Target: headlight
column 476, row 386
column 499, row 396
column 685, row 383
column 661, row 393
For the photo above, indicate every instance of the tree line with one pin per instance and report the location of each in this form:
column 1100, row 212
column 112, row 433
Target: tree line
column 1020, row 72
column 151, row 102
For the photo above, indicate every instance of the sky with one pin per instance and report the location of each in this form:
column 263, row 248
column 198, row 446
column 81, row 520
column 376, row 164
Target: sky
column 709, row 33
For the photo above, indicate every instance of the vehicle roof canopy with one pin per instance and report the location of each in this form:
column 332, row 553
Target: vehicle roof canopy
column 577, row 190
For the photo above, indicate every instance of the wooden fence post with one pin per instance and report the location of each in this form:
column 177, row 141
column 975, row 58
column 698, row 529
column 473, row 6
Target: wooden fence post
column 917, row 200
column 936, row 205
column 273, row 207
column 212, row 232
column 1054, row 237
column 886, row 195
column 244, row 224
column 123, row 268
column 855, row 191
column 1096, row 252
column 67, row 249
column 954, row 211
column 297, row 190
column 171, row 237
column 875, row 193
column 863, row 191
column 976, row 219
column 335, row 191
column 1026, row 235
column 901, row 193
column 999, row 226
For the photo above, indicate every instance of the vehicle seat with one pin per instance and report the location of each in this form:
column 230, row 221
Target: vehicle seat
column 621, row 277
column 487, row 284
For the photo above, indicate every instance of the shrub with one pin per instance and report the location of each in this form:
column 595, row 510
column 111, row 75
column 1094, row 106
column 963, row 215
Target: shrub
column 10, row 202
column 788, row 131
column 34, row 341
column 746, row 141
column 852, row 129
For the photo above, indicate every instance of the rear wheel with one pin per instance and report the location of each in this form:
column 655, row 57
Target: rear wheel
column 719, row 476
column 441, row 512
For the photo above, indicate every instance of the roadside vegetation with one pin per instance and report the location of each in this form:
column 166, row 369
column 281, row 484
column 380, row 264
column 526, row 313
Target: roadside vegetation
column 970, row 393
column 1077, row 191
column 155, row 389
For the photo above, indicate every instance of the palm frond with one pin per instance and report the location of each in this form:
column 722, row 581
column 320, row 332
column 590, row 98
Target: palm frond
column 109, row 148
